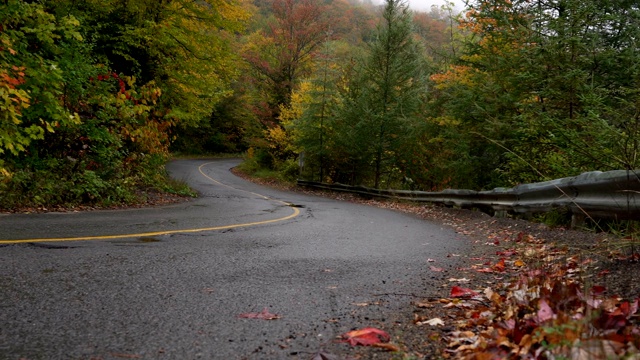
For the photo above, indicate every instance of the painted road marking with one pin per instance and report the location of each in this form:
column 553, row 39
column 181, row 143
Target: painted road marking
column 295, row 213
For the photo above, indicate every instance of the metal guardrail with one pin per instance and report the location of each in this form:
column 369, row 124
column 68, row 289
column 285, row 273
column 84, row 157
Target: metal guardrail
column 612, row 195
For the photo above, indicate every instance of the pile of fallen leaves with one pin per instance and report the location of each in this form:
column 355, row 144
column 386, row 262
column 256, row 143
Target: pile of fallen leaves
column 543, row 305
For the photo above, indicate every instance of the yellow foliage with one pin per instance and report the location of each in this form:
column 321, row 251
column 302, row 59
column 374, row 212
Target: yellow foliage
column 456, row 75
column 280, row 142
column 300, row 99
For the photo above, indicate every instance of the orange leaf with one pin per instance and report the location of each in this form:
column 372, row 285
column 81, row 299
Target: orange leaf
column 387, row 346
column 499, row 266
column 518, row 263
column 366, row 337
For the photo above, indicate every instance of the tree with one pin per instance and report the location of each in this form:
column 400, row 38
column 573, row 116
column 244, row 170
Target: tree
column 388, row 104
column 92, row 88
column 281, row 55
column 182, row 46
column 311, row 113
column 543, row 87
column 31, row 81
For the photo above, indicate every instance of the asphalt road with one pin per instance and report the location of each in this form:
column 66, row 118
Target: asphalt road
column 170, row 282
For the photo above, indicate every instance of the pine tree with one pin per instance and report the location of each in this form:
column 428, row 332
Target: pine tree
column 392, row 93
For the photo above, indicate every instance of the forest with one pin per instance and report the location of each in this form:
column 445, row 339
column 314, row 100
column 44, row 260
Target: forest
column 96, row 95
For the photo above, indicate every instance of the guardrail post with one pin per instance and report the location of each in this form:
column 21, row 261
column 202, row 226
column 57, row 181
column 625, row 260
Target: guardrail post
column 501, row 214
column 577, row 220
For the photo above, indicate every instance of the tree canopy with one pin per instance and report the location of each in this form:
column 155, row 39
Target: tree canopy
column 97, row 93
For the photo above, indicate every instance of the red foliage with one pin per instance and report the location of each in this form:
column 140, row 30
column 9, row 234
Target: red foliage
column 366, row 337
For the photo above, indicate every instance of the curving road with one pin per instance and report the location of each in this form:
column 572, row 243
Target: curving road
column 170, row 282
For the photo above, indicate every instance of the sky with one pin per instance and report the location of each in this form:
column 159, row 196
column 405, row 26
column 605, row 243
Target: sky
column 426, row 4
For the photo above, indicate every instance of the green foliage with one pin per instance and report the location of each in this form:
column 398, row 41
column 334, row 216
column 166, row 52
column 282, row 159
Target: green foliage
column 378, row 114
column 540, row 92
column 75, row 131
column 182, row 46
column 261, row 164
column 31, row 82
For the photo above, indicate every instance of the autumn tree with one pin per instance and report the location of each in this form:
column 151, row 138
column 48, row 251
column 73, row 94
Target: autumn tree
column 281, row 54
column 95, row 87
column 182, row 46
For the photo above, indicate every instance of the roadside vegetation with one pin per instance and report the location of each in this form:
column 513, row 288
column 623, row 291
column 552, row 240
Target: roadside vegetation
column 92, row 94
column 98, row 94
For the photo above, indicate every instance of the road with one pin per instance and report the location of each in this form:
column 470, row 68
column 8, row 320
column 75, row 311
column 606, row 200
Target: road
column 170, row 282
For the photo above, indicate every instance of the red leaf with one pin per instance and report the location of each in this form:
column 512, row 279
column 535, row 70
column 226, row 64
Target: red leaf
column 598, row 290
column 484, row 270
column 366, row 337
column 263, row 315
column 507, row 253
column 460, row 292
column 436, row 269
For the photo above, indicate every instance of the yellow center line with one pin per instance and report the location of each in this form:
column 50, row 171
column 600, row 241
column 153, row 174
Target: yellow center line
column 295, row 213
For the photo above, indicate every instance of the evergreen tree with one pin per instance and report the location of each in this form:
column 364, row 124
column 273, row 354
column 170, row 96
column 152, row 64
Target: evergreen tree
column 391, row 92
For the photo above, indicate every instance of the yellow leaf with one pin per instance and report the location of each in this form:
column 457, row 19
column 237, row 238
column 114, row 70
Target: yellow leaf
column 518, row 263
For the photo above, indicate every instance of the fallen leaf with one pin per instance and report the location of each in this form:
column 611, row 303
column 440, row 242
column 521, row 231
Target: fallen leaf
column 424, row 305
column 499, row 266
column 431, row 260
column 598, row 290
column 366, row 337
column 263, row 315
column 595, row 349
column 460, row 292
column 518, row 263
column 436, row 269
column 386, row 346
column 604, row 272
column 493, row 296
column 321, row 355
column 507, row 253
column 432, row 322
column 461, row 280
column 545, row 312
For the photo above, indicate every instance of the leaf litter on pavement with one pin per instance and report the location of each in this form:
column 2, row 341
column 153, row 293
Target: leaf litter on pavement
column 542, row 304
column 544, row 301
